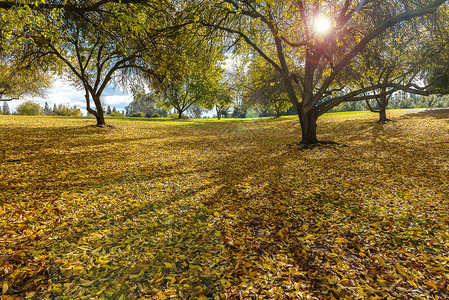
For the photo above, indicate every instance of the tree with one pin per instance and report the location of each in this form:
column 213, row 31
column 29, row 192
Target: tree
column 18, row 80
column 93, row 60
column 116, row 114
column 5, row 109
column 108, row 111
column 437, row 69
column 29, row 108
column 182, row 95
column 47, row 109
column 66, row 110
column 264, row 87
column 223, row 101
column 307, row 52
column 194, row 111
column 219, row 97
column 105, row 47
column 396, row 58
column 145, row 103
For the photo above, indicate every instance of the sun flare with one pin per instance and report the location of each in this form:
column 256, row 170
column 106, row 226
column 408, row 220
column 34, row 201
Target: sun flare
column 322, row 24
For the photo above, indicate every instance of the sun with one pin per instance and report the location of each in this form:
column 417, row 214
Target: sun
column 322, row 24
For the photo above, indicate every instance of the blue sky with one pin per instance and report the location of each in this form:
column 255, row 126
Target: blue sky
column 63, row 93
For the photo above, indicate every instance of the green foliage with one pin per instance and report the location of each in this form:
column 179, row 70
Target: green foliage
column 30, row 108
column 116, row 114
column 176, row 116
column 181, row 95
column 16, row 81
column 137, row 115
column 400, row 101
column 145, row 103
column 239, row 111
column 263, row 88
column 252, row 113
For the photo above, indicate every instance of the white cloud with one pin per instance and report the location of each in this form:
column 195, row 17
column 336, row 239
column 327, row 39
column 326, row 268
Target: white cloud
column 118, row 100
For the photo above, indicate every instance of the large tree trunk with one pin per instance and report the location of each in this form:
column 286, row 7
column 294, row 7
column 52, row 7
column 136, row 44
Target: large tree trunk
column 98, row 113
column 179, row 114
column 218, row 112
column 383, row 103
column 99, row 109
column 383, row 115
column 308, row 126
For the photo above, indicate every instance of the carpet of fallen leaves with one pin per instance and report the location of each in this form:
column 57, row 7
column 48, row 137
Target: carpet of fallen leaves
column 224, row 210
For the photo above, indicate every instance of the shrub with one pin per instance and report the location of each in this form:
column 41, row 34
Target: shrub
column 116, row 114
column 137, row 115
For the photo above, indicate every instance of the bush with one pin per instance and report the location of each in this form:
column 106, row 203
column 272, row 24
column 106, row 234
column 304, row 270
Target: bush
column 252, row 114
column 116, row 114
column 152, row 115
column 30, row 108
column 137, row 115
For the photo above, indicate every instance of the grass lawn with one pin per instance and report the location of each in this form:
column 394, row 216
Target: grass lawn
column 147, row 209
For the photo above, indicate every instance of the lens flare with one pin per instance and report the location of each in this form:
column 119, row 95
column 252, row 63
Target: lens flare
column 322, row 24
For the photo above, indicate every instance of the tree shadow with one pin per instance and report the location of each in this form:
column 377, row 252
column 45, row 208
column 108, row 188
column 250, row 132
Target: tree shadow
column 201, row 211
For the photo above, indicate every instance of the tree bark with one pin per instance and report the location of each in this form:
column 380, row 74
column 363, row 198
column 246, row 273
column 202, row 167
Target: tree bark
column 98, row 113
column 99, row 109
column 308, row 126
column 383, row 115
column 179, row 114
column 278, row 112
column 383, row 103
column 218, row 110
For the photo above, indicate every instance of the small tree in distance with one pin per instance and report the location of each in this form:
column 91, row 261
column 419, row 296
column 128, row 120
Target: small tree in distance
column 30, row 108
column 182, row 95
column 5, row 109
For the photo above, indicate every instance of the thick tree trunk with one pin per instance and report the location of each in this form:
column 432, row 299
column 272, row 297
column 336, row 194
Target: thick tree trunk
column 383, row 115
column 179, row 114
column 308, row 127
column 99, row 115
column 383, row 103
column 218, row 110
column 278, row 113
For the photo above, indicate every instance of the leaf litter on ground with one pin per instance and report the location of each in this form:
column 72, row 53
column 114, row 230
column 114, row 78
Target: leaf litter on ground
column 224, row 210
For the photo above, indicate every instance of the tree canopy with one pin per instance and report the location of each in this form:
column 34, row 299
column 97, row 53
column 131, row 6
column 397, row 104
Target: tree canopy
column 312, row 61
column 318, row 54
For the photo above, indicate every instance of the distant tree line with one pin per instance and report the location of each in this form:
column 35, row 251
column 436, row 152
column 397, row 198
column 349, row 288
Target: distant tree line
column 62, row 110
column 399, row 101
column 31, row 108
